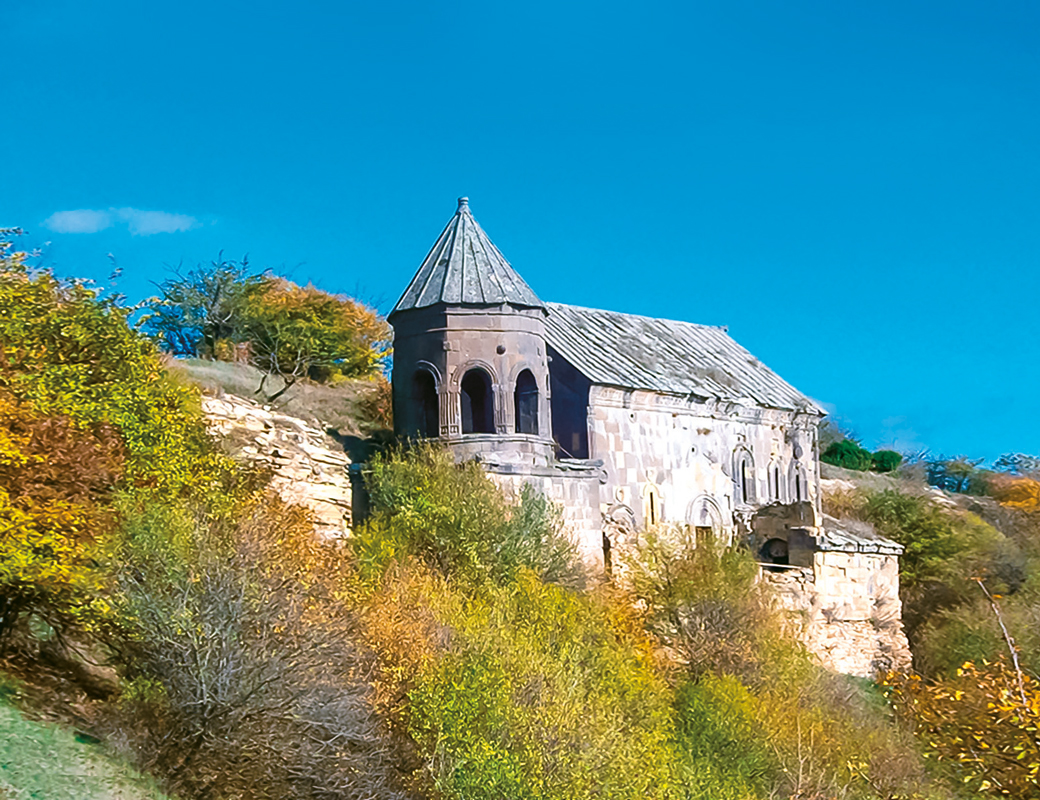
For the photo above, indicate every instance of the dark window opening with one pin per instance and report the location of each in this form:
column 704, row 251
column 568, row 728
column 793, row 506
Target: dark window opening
column 653, row 505
column 424, row 394
column 775, row 551
column 525, row 403
column 569, row 405
column 745, row 479
column 774, row 482
column 799, row 486
column 477, row 405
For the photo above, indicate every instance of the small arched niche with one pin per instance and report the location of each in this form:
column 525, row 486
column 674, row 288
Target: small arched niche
column 525, row 403
column 478, row 411
column 426, row 403
column 775, row 551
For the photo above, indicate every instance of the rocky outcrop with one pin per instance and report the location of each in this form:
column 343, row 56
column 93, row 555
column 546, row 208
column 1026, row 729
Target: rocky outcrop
column 307, row 466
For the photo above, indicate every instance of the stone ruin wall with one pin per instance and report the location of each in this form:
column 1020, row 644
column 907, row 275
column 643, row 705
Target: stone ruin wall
column 576, row 493
column 846, row 609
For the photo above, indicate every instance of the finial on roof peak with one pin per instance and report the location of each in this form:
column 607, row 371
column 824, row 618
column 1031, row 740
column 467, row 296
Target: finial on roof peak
column 463, row 203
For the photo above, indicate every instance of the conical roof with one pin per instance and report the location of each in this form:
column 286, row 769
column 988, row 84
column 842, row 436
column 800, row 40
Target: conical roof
column 465, row 268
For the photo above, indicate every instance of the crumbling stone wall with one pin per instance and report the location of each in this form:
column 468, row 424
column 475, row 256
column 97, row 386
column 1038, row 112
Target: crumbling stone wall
column 576, row 492
column 846, row 609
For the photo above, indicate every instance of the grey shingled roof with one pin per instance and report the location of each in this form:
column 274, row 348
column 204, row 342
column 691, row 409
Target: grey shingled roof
column 465, row 268
column 662, row 355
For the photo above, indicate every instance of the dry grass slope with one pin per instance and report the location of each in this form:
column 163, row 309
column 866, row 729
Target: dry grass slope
column 342, row 406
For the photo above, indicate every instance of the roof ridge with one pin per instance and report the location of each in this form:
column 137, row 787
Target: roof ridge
column 723, row 328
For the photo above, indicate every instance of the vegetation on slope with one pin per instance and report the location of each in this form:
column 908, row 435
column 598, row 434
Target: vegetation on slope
column 969, row 588
column 512, row 684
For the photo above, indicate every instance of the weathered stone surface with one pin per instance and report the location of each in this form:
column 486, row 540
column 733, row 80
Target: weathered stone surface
column 307, row 467
column 847, row 610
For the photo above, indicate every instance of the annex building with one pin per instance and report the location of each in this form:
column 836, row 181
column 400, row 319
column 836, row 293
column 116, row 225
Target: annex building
column 628, row 422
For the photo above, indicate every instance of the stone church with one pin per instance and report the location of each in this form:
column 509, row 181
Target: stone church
column 628, row 421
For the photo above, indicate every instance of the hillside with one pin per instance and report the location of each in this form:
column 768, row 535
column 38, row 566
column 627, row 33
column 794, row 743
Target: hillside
column 48, row 760
column 159, row 559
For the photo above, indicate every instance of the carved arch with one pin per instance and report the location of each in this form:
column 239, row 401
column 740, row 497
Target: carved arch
column 438, row 380
column 474, row 363
column 743, row 476
column 704, row 512
column 514, row 373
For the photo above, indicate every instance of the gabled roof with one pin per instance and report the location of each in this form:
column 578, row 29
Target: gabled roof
column 465, row 268
column 662, row 355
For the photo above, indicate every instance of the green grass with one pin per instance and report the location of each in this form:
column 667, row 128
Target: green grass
column 41, row 760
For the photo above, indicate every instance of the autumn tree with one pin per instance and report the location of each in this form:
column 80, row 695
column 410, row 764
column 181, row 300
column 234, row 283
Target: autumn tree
column 982, row 723
column 296, row 332
column 86, row 409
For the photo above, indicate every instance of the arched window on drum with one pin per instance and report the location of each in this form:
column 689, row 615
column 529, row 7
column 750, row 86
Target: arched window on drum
column 426, row 403
column 478, row 410
column 525, row 403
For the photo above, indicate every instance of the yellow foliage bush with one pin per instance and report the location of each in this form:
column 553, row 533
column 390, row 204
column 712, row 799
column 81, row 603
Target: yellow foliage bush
column 983, row 723
column 1020, row 493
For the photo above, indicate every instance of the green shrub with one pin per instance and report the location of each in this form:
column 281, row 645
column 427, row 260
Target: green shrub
column 885, row 460
column 717, row 720
column 848, row 455
column 543, row 694
column 453, row 516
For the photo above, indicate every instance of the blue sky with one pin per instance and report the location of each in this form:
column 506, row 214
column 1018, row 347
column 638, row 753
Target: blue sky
column 854, row 189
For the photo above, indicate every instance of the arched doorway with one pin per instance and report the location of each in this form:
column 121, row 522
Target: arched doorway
column 427, row 406
column 525, row 403
column 478, row 411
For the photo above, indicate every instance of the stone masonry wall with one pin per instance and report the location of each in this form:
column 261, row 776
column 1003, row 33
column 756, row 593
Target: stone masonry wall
column 576, row 493
column 686, row 449
column 847, row 609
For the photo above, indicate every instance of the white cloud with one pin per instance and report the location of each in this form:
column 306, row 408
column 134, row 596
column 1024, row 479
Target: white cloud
column 84, row 220
column 145, row 223
column 138, row 222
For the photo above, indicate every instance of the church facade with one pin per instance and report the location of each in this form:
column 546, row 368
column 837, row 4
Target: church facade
column 627, row 422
